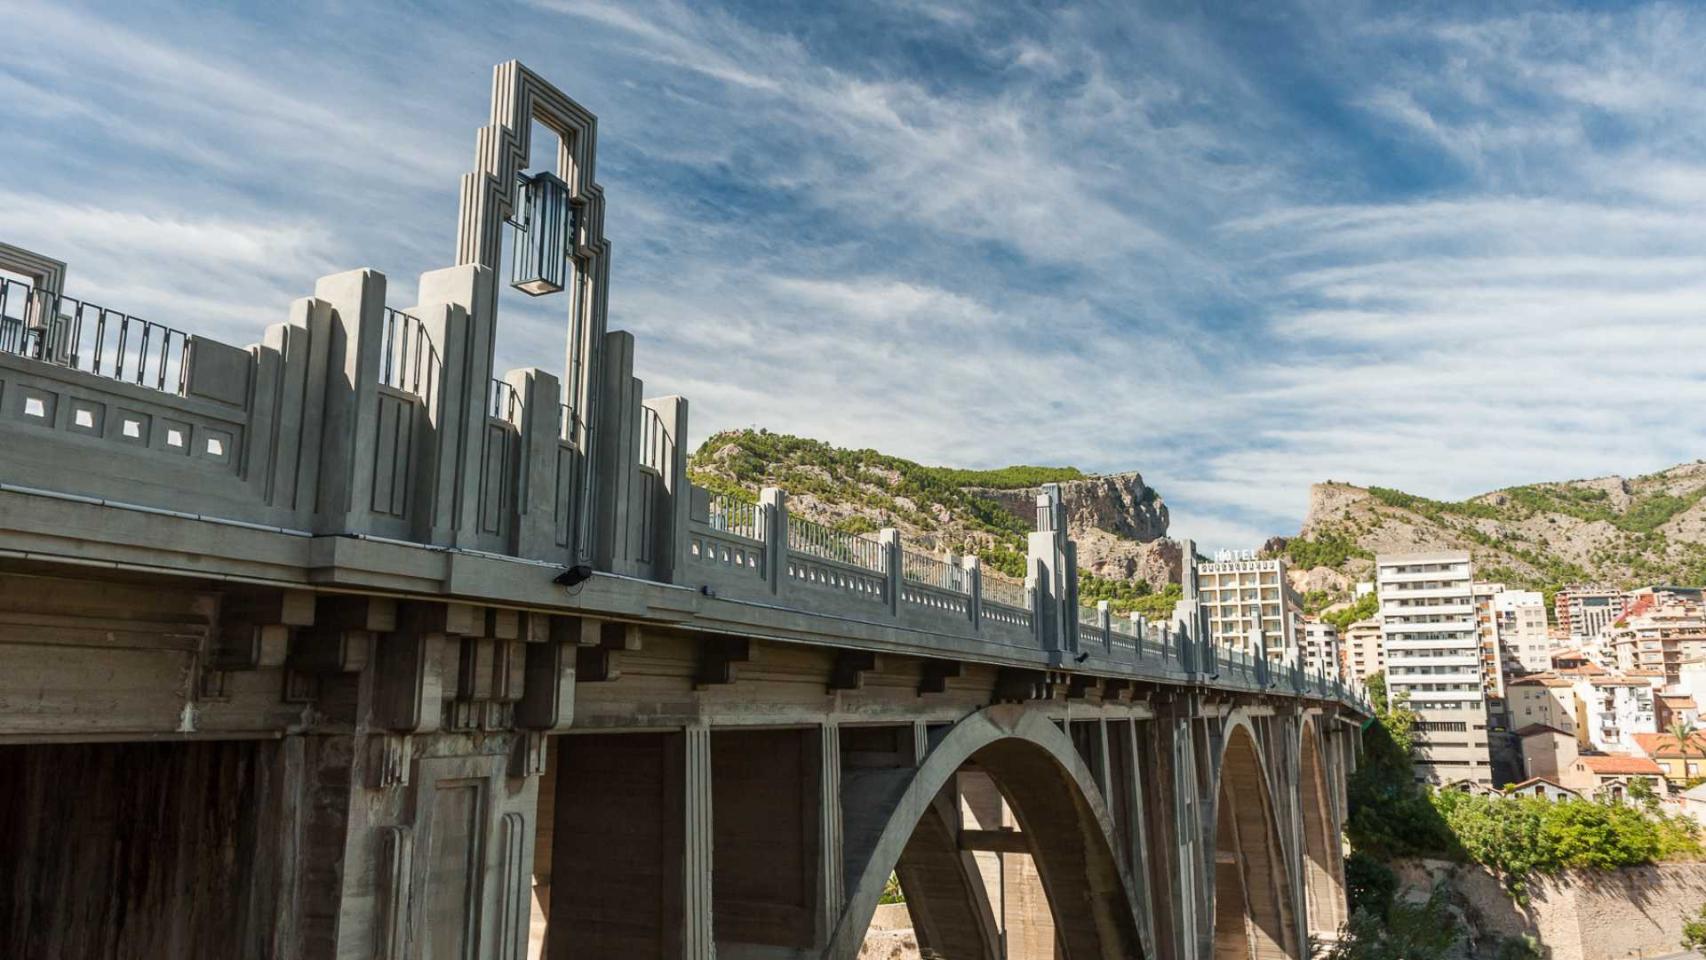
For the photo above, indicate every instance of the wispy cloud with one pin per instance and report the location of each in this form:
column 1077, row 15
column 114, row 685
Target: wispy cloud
column 1241, row 252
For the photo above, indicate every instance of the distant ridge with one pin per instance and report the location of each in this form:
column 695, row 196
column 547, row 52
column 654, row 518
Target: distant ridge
column 1620, row 531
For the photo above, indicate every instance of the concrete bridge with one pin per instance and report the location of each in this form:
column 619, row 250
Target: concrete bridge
column 338, row 646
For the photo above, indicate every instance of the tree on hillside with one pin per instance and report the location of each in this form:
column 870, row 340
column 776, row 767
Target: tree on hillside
column 1683, row 732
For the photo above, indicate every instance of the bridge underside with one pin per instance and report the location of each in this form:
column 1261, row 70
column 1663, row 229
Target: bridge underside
column 559, row 786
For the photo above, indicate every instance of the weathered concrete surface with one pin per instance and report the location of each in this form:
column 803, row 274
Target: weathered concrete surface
column 1580, row 915
column 890, row 936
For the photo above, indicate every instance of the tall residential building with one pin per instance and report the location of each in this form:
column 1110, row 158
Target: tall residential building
column 1487, row 637
column 1519, row 618
column 1583, row 612
column 1241, row 595
column 1363, row 655
column 1658, row 632
column 1433, row 656
column 1321, row 648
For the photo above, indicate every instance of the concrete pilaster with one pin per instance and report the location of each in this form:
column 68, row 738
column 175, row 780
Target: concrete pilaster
column 831, row 879
column 670, row 553
column 698, row 941
column 773, row 530
column 465, row 348
column 889, row 537
column 535, row 530
column 357, row 299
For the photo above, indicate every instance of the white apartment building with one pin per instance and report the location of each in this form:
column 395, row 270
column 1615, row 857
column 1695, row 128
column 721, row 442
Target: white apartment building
column 1240, row 596
column 1321, row 648
column 1614, row 709
column 1363, row 655
column 1433, row 656
column 1519, row 620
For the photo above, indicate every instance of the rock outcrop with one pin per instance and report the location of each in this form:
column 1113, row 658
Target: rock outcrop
column 1619, row 530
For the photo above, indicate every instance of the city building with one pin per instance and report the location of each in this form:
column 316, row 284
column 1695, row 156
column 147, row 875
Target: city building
column 1583, row 611
column 1543, row 789
column 1321, row 652
column 1363, row 655
column 1519, row 620
column 1547, row 751
column 1658, row 631
column 1672, row 708
column 1608, row 777
column 1680, row 762
column 1433, row 657
column 1613, row 709
column 1487, row 639
column 1240, row 596
column 1543, row 700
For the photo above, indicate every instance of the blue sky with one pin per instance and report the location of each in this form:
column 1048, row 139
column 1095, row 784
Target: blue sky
column 1240, row 248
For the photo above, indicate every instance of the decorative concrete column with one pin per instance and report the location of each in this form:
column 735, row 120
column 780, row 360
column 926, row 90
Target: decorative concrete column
column 357, row 299
column 1047, row 553
column 464, row 342
column 974, row 590
column 773, row 530
column 889, row 537
column 698, row 940
column 615, row 457
column 831, row 893
column 670, row 553
column 535, row 528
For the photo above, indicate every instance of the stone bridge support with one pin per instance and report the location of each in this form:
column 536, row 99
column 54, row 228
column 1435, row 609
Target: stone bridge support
column 291, row 775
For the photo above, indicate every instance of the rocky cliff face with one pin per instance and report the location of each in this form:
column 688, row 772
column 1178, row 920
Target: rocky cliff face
column 1117, row 503
column 1118, row 521
column 1619, row 530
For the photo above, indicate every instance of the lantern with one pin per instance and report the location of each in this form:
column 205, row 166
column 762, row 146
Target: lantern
column 540, row 234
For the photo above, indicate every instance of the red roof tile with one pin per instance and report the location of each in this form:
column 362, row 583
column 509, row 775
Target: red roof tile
column 1621, row 765
column 1664, row 745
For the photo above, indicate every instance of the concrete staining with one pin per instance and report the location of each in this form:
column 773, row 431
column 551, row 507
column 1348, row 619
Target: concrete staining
column 336, row 646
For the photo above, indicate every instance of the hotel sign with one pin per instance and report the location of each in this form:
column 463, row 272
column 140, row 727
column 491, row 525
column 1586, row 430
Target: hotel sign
column 1233, row 556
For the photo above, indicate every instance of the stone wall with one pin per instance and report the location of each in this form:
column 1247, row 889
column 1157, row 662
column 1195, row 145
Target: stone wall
column 1634, row 912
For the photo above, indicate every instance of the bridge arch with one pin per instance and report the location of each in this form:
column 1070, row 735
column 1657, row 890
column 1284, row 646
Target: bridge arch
column 1252, row 891
column 1054, row 796
column 1323, row 864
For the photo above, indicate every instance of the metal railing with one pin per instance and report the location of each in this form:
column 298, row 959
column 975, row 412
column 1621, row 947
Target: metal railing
column 1000, row 588
column 503, row 403
column 408, row 361
column 932, row 571
column 810, row 537
column 731, row 514
column 71, row 333
column 1090, row 616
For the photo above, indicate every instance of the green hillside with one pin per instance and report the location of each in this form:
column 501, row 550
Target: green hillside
column 937, row 508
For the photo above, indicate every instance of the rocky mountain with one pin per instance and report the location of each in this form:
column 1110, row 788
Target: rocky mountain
column 1119, row 522
column 1625, row 531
